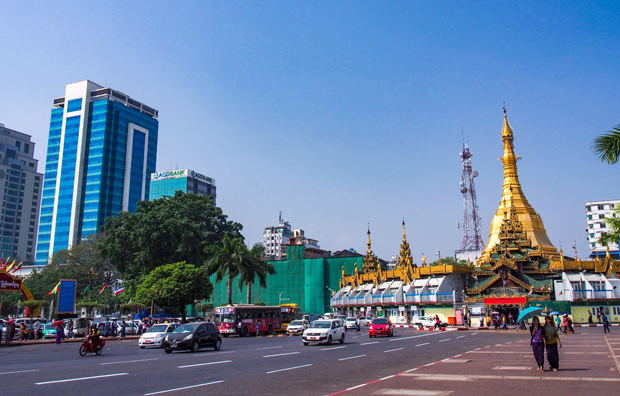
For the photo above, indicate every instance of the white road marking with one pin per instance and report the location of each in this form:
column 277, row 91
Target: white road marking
column 411, row 392
column 262, row 349
column 393, row 350
column 355, row 337
column 21, row 371
column 368, row 343
column 212, row 353
column 426, row 343
column 204, row 364
column 281, row 354
column 388, row 377
column 447, row 339
column 453, row 377
column 473, row 333
column 355, row 387
column 185, row 387
column 290, row 368
column 80, row 379
column 352, row 357
column 417, row 336
column 460, row 336
column 129, row 361
column 329, row 349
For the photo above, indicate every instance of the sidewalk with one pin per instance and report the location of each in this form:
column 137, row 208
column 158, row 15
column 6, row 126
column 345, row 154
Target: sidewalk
column 589, row 364
column 53, row 341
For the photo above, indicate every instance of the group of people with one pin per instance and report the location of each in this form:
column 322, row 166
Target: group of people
column 499, row 321
column 601, row 318
column 545, row 336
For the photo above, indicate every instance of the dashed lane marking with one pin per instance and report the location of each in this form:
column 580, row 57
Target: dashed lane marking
column 289, row 368
column 426, row 343
column 330, row 348
column 411, row 392
column 368, row 343
column 352, row 357
column 21, row 371
column 262, row 349
column 393, row 350
column 460, row 336
column 204, row 364
column 447, row 339
column 281, row 354
column 80, row 379
column 185, row 387
column 129, row 361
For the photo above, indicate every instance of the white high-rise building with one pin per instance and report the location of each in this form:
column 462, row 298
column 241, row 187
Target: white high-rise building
column 596, row 213
column 275, row 237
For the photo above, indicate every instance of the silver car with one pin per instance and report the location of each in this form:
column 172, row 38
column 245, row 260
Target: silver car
column 297, row 327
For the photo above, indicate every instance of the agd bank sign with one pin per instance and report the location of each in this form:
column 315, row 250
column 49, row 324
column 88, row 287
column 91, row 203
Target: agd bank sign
column 176, row 174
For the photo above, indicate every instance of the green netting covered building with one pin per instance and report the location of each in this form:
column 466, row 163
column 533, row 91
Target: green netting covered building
column 303, row 281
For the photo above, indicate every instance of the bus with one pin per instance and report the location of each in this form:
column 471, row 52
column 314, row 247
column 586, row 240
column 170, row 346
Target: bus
column 290, row 312
column 229, row 317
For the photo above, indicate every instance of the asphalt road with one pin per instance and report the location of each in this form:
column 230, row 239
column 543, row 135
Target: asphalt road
column 244, row 366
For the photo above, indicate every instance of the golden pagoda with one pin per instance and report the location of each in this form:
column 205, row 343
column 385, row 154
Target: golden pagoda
column 513, row 196
column 404, row 258
column 370, row 262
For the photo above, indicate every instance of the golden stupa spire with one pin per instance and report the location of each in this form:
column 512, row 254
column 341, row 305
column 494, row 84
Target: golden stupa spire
column 512, row 195
column 404, row 258
column 368, row 243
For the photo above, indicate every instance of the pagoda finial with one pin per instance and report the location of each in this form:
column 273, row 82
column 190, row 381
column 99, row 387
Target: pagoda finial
column 404, row 233
column 368, row 243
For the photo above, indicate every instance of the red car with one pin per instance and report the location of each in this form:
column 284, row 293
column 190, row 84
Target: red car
column 380, row 326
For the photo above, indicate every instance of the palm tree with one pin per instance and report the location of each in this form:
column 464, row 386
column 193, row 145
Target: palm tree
column 256, row 267
column 607, row 146
column 227, row 260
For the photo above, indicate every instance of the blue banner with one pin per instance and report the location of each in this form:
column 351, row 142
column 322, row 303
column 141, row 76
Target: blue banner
column 66, row 296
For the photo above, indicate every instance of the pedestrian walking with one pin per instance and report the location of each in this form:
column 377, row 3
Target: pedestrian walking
column 590, row 321
column 538, row 343
column 23, row 332
column 481, row 320
column 522, row 326
column 598, row 316
column 605, row 324
column 70, row 329
column 437, row 323
column 510, row 318
column 257, row 327
column 239, row 326
column 552, row 342
column 123, row 328
column 1, row 328
column 558, row 322
column 488, row 321
column 60, row 329
column 568, row 324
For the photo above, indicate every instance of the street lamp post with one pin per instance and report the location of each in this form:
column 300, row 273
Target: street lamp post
column 280, row 299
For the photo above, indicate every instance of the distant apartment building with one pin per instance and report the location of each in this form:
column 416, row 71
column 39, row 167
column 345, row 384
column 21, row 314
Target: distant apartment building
column 20, row 195
column 596, row 213
column 102, row 149
column 186, row 180
column 275, row 240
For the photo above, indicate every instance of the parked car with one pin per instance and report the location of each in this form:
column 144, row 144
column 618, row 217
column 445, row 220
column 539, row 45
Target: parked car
column 49, row 331
column 297, row 327
column 324, row 331
column 365, row 320
column 154, row 336
column 380, row 326
column 426, row 321
column 351, row 323
column 193, row 336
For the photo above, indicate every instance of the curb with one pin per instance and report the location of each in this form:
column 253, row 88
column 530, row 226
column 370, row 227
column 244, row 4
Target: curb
column 51, row 341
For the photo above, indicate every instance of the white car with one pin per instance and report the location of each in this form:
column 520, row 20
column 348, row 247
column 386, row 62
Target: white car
column 297, row 327
column 365, row 321
column 154, row 336
column 324, row 331
column 425, row 321
column 351, row 323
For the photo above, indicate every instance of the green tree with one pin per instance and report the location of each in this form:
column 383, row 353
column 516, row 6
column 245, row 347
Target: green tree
column 607, row 146
column 175, row 285
column 256, row 266
column 166, row 230
column 90, row 307
column 83, row 262
column 448, row 261
column 227, row 261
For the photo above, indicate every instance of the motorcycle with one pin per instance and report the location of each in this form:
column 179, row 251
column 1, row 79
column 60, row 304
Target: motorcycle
column 88, row 347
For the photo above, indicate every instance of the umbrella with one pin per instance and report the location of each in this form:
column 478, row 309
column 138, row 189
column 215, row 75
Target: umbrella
column 10, row 321
column 494, row 313
column 555, row 313
column 528, row 313
column 56, row 323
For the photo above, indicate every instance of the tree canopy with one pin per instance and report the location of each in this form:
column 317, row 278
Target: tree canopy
column 607, row 146
column 175, row 285
column 163, row 231
column 227, row 261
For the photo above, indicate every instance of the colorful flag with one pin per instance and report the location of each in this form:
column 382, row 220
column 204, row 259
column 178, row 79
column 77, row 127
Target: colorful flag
column 55, row 289
column 87, row 289
column 10, row 266
column 531, row 291
column 18, row 267
column 560, row 293
column 103, row 288
column 119, row 290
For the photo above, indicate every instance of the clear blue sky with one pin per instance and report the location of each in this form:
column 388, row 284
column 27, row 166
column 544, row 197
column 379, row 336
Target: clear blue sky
column 340, row 113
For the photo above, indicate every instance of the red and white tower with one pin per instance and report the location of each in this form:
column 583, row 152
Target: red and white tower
column 472, row 245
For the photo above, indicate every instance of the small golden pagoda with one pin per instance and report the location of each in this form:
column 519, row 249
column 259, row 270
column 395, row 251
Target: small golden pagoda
column 371, row 261
column 513, row 196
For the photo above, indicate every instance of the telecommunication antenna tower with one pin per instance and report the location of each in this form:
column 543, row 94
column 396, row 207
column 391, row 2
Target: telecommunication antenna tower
column 472, row 241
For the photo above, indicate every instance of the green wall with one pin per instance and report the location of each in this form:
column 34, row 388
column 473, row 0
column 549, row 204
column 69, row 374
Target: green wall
column 302, row 280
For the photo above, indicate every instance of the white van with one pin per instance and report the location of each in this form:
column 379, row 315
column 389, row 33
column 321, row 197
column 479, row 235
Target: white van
column 324, row 330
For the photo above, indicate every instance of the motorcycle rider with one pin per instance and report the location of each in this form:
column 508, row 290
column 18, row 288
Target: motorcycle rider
column 94, row 335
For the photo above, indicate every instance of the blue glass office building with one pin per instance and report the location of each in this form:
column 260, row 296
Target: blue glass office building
column 101, row 152
column 186, row 180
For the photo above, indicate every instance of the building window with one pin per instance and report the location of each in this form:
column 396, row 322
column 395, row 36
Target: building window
column 74, row 105
column 18, row 144
column 26, row 148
